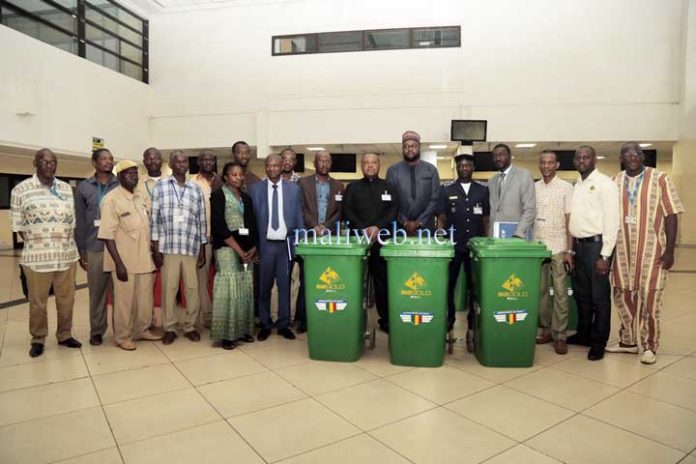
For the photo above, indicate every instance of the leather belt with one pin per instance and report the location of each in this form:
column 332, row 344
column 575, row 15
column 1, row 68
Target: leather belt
column 594, row 238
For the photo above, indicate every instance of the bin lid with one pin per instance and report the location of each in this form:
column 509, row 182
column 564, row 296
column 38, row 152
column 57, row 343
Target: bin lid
column 415, row 247
column 486, row 247
column 332, row 246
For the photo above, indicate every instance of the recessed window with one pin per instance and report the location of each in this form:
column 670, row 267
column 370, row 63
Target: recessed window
column 101, row 31
column 355, row 41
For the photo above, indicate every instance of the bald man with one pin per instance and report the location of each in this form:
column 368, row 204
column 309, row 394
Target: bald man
column 43, row 214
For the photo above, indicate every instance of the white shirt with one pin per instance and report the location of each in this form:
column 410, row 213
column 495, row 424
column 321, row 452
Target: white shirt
column 282, row 231
column 553, row 202
column 595, row 210
column 466, row 186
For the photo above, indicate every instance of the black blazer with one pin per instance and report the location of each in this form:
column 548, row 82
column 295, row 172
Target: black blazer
column 220, row 232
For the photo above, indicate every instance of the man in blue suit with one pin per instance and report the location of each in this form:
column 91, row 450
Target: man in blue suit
column 278, row 210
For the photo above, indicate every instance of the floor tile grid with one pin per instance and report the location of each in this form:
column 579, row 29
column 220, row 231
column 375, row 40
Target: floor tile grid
column 580, row 413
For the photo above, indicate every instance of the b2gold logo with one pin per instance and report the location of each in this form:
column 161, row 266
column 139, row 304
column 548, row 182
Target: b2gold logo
column 513, row 284
column 414, row 284
column 331, row 280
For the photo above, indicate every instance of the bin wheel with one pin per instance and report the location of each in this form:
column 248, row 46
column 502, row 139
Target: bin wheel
column 370, row 336
column 450, row 340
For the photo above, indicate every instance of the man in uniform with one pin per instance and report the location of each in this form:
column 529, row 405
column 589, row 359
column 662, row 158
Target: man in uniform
column 43, row 214
column 593, row 223
column 88, row 200
column 464, row 205
column 553, row 197
column 208, row 180
column 369, row 205
column 125, row 229
column 512, row 194
column 417, row 183
column 648, row 208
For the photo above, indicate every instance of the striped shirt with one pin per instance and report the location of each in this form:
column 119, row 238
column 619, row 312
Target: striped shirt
column 178, row 217
column 46, row 218
column 552, row 204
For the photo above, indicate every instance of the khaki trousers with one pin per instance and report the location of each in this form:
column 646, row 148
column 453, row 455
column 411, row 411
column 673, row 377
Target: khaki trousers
column 132, row 306
column 39, row 284
column 174, row 268
column 206, row 307
column 554, row 319
column 98, row 284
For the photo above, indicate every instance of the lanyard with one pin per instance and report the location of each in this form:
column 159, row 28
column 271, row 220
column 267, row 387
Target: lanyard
column 54, row 190
column 633, row 194
column 149, row 192
column 179, row 200
column 102, row 191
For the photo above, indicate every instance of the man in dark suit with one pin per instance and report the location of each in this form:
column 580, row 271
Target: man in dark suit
column 513, row 197
column 321, row 209
column 463, row 204
column 278, row 214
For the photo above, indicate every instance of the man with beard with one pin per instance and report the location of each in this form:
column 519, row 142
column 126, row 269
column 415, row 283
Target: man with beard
column 242, row 154
column 152, row 160
column 43, row 214
column 648, row 207
column 88, row 200
column 594, row 224
column 512, row 194
column 125, row 230
column 208, row 180
column 417, row 184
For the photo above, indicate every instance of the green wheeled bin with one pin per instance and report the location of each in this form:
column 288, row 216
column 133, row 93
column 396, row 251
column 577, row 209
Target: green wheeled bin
column 507, row 275
column 334, row 271
column 417, row 283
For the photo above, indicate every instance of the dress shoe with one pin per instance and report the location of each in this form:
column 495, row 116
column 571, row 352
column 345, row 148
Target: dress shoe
column 302, row 328
column 544, row 338
column 70, row 343
column 127, row 345
column 247, row 338
column 622, row 348
column 227, row 345
column 560, row 346
column 648, row 357
column 169, row 338
column 193, row 336
column 578, row 340
column 147, row 335
column 36, row 350
column 596, row 353
column 95, row 340
column 470, row 341
column 286, row 333
column 263, row 334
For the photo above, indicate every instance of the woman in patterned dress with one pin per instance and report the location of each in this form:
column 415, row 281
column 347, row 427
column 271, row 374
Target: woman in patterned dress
column 234, row 244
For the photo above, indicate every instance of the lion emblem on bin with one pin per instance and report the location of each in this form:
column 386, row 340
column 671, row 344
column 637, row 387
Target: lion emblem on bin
column 329, row 276
column 415, row 282
column 512, row 283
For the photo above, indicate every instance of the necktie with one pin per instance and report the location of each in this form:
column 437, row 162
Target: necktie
column 413, row 182
column 275, row 222
column 500, row 185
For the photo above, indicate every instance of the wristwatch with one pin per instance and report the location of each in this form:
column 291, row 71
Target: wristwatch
column 604, row 258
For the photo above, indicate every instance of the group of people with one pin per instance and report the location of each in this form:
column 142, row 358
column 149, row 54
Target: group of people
column 172, row 229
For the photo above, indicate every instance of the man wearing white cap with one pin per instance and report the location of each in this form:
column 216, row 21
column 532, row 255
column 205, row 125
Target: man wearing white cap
column 125, row 229
column 418, row 185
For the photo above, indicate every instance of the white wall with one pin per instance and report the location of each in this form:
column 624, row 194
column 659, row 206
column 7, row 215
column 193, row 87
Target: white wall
column 71, row 98
column 540, row 70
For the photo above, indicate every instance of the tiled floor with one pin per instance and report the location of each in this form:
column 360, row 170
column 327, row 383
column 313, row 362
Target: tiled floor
column 268, row 402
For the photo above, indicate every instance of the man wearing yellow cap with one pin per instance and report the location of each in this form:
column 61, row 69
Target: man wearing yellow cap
column 125, row 229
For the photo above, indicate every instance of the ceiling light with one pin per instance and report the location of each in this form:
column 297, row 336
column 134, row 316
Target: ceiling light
column 315, row 148
column 525, row 145
column 645, row 145
column 443, row 158
column 601, row 157
column 437, row 147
